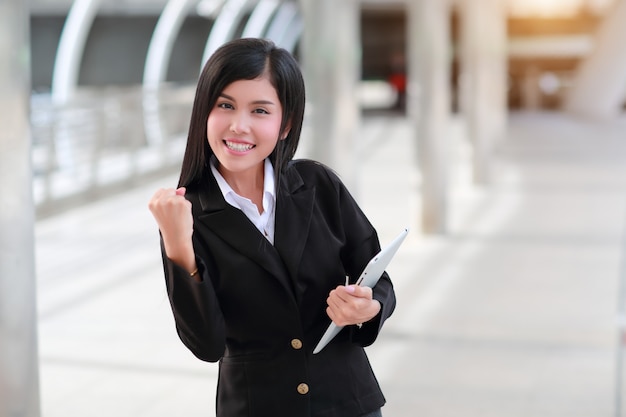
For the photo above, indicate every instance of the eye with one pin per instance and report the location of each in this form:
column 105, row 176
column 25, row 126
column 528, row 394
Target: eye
column 260, row 111
column 224, row 105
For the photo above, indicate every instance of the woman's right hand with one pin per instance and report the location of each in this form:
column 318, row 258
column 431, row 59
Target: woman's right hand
column 172, row 212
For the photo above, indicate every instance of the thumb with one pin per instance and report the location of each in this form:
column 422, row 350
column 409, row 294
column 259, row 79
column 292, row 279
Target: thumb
column 181, row 191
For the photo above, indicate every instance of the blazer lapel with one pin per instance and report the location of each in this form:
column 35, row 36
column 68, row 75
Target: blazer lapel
column 294, row 209
column 231, row 225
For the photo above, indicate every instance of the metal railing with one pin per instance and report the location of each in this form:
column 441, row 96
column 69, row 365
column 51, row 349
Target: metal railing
column 105, row 139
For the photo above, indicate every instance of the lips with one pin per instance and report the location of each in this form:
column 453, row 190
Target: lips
column 238, row 146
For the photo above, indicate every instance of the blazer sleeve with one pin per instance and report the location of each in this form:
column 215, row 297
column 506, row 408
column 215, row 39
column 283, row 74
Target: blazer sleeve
column 197, row 314
column 361, row 245
column 384, row 294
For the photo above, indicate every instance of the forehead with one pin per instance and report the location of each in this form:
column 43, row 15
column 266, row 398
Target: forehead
column 252, row 90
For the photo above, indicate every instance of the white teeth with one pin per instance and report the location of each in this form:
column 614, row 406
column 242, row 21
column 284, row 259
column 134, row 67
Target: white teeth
column 238, row 147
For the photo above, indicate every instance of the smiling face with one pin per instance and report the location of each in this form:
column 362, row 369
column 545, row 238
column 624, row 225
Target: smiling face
column 244, row 126
column 243, row 59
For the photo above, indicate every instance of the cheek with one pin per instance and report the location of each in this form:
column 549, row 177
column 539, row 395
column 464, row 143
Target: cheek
column 271, row 130
column 212, row 125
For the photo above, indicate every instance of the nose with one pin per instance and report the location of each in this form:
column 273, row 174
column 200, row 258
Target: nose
column 239, row 123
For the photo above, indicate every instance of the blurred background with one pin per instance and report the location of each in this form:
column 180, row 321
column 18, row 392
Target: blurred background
column 494, row 129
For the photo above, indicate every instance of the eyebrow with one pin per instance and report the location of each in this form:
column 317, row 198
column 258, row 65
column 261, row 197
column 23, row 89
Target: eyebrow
column 265, row 102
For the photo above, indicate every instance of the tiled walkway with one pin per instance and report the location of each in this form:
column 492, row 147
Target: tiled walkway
column 512, row 313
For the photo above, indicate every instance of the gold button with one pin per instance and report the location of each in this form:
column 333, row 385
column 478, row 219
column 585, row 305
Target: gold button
column 303, row 388
column 296, row 343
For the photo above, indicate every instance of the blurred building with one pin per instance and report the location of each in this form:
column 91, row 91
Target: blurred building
column 120, row 74
column 547, row 41
column 112, row 83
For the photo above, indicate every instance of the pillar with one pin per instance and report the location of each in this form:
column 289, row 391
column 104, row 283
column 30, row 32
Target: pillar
column 484, row 64
column 599, row 87
column 331, row 61
column 19, row 376
column 428, row 104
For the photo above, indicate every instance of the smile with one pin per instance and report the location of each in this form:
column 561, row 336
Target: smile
column 238, row 147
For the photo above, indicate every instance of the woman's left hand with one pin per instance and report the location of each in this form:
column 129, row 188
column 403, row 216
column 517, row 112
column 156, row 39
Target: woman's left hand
column 351, row 304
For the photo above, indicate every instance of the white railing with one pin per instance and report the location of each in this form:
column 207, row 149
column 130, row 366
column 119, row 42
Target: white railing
column 105, row 139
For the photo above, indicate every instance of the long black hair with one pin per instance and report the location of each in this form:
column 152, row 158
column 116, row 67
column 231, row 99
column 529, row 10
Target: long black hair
column 244, row 59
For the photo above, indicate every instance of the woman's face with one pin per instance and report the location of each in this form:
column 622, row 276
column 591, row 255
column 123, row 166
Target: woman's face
column 243, row 127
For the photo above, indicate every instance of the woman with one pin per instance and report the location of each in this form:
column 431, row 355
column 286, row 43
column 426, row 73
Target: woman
column 257, row 248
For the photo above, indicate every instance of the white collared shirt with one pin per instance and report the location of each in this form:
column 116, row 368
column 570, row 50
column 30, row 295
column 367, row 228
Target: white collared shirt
column 264, row 221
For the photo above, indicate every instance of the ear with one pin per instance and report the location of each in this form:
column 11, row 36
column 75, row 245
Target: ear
column 286, row 130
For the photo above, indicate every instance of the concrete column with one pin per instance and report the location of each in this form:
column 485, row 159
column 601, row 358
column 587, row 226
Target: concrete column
column 428, row 103
column 19, row 376
column 599, row 87
column 331, row 59
column 484, row 66
column 530, row 92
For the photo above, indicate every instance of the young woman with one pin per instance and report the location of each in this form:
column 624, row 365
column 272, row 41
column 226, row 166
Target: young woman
column 257, row 247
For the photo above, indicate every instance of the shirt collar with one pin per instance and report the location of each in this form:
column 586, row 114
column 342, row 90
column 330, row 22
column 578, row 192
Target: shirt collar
column 269, row 184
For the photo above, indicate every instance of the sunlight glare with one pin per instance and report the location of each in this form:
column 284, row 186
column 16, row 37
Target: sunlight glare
column 552, row 8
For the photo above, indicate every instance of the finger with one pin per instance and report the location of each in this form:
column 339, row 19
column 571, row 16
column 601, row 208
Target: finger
column 345, row 294
column 166, row 203
column 161, row 192
column 331, row 315
column 335, row 302
column 155, row 199
column 358, row 291
column 181, row 191
column 337, row 317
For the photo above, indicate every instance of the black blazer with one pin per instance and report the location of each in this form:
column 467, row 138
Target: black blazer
column 261, row 309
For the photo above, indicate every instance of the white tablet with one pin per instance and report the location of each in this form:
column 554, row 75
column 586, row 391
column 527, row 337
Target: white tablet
column 369, row 277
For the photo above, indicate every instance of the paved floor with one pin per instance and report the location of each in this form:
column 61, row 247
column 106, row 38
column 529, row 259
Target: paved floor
column 512, row 313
